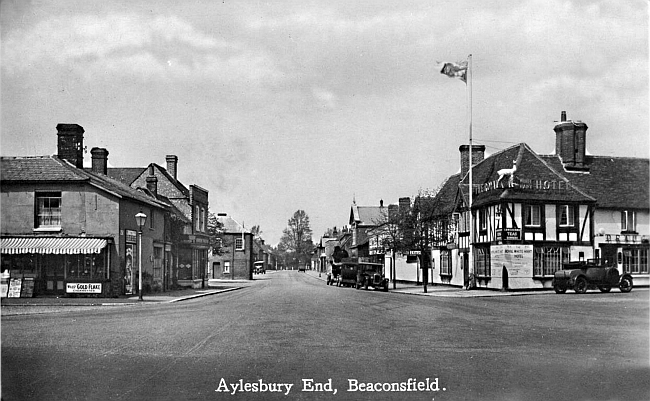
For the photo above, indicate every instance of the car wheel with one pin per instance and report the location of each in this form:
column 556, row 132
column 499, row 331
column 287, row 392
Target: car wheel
column 580, row 287
column 625, row 284
column 365, row 284
column 559, row 289
column 358, row 285
column 385, row 287
column 605, row 288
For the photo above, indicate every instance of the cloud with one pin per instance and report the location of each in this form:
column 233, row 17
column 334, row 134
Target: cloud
column 158, row 48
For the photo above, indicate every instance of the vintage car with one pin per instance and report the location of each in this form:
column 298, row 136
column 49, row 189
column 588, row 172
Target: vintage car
column 363, row 274
column 259, row 268
column 584, row 275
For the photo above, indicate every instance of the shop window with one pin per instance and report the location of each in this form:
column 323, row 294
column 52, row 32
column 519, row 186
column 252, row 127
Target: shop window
column 48, row 210
column 567, row 216
column 226, row 267
column 628, row 221
column 482, row 262
column 635, row 260
column 86, row 267
column 549, row 259
column 532, row 215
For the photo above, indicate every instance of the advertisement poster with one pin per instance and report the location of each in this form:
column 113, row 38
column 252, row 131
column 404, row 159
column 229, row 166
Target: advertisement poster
column 518, row 259
column 128, row 276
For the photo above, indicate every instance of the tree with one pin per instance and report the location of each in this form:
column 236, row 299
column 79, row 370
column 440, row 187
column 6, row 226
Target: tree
column 257, row 232
column 296, row 238
column 215, row 234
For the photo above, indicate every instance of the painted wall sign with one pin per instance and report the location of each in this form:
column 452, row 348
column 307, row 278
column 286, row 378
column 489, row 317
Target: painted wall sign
column 522, row 183
column 518, row 260
column 83, row 288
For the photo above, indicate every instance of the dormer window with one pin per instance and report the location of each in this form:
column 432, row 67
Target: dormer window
column 628, row 221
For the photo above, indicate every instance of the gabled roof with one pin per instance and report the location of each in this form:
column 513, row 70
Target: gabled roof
column 231, row 226
column 530, row 166
column 448, row 196
column 615, row 182
column 128, row 175
column 52, row 169
column 125, row 174
column 367, row 215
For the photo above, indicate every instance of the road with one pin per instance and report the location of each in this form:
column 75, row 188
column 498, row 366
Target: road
column 289, row 328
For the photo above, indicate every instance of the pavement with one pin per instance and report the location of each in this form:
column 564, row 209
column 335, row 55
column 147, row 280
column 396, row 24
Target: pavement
column 218, row 287
column 437, row 290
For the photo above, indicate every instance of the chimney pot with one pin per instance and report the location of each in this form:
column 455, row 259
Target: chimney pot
column 563, row 117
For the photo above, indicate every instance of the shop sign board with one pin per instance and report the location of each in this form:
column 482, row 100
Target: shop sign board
column 509, row 234
column 517, row 259
column 83, row 288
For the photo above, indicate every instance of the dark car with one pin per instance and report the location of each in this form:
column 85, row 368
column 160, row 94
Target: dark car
column 334, row 275
column 363, row 274
column 584, row 275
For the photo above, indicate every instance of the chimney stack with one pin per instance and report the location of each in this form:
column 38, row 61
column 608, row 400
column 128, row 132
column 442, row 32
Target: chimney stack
column 570, row 142
column 172, row 165
column 478, row 154
column 100, row 160
column 152, row 181
column 71, row 143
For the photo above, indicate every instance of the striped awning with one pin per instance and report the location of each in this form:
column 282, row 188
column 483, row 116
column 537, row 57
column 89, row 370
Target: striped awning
column 17, row 245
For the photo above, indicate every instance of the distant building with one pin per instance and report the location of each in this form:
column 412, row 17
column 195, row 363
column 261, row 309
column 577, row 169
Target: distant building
column 235, row 256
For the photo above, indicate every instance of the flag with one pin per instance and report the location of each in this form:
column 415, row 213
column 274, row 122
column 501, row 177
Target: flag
column 454, row 70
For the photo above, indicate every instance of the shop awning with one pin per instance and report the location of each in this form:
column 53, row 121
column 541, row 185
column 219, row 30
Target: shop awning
column 17, row 245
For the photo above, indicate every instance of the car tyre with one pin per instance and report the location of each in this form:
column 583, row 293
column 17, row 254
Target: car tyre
column 385, row 287
column 580, row 286
column 604, row 288
column 559, row 289
column 626, row 284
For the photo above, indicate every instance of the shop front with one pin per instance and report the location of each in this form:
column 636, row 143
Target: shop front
column 58, row 266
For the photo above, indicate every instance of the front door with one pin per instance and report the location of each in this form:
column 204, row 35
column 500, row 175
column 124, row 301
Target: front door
column 53, row 274
column 465, row 266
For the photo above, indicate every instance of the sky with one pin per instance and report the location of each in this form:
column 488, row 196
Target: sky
column 279, row 106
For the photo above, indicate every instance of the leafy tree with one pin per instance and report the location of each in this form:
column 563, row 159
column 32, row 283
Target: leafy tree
column 257, row 232
column 296, row 241
column 215, row 234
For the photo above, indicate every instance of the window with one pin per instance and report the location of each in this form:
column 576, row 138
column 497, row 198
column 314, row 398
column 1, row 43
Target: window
column 628, row 220
column 549, row 259
column 566, row 216
column 445, row 262
column 635, row 260
column 157, row 262
column 151, row 222
column 197, row 218
column 48, row 214
column 482, row 213
column 532, row 215
column 239, row 244
column 482, row 262
column 226, row 267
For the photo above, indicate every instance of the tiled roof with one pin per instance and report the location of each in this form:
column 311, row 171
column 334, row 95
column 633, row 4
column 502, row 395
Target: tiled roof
column 53, row 169
column 368, row 215
column 36, row 168
column 529, row 166
column 448, row 197
column 615, row 182
column 125, row 174
column 231, row 226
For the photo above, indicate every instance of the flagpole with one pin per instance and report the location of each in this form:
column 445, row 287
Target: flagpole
column 471, row 187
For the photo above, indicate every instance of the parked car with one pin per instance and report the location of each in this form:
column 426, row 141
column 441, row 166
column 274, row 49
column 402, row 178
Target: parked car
column 363, row 274
column 584, row 275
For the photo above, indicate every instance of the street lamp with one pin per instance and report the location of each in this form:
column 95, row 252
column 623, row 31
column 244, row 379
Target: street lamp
column 140, row 219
